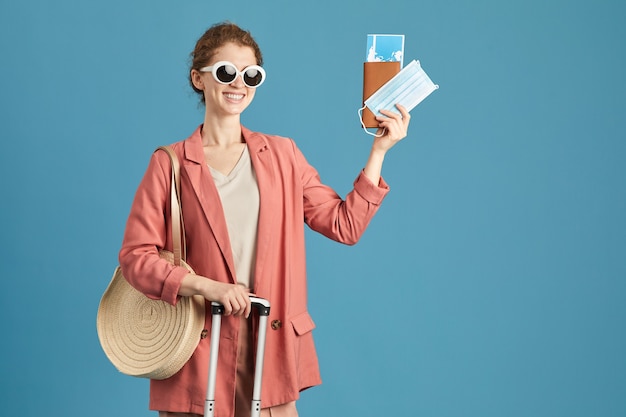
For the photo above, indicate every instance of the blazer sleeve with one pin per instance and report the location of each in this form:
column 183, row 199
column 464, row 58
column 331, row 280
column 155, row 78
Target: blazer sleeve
column 326, row 212
column 147, row 232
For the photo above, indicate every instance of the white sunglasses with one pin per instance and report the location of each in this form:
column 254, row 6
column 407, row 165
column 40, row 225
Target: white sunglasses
column 226, row 72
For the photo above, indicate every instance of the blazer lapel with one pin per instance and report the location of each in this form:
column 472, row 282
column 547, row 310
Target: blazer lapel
column 263, row 164
column 206, row 192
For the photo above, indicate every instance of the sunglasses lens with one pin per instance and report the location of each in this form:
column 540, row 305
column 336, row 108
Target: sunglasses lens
column 252, row 77
column 226, row 73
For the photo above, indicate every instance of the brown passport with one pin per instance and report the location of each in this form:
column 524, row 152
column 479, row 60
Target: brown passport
column 375, row 75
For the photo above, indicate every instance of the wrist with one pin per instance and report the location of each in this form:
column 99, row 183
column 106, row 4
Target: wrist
column 377, row 155
column 192, row 284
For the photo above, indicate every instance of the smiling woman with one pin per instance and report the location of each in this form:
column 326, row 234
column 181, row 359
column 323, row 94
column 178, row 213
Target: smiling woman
column 245, row 197
column 495, row 267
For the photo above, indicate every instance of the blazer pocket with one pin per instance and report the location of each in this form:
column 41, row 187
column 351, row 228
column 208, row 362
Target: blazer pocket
column 302, row 323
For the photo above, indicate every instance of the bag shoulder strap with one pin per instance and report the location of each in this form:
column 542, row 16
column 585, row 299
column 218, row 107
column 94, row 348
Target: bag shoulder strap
column 178, row 226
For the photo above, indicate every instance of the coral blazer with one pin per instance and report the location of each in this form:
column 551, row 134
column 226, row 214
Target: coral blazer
column 291, row 194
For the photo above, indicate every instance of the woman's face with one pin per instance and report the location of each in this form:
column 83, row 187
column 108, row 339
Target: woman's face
column 227, row 99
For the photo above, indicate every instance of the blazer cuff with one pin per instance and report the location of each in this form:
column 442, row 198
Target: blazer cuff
column 369, row 191
column 172, row 285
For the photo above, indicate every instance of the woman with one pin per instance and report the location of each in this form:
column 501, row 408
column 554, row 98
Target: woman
column 245, row 197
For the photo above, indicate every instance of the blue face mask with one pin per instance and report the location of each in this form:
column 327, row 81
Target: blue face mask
column 407, row 88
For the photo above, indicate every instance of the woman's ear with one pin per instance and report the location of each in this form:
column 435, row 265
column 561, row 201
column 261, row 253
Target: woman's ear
column 196, row 79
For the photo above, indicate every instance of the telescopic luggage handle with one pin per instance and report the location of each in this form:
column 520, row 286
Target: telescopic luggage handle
column 217, row 310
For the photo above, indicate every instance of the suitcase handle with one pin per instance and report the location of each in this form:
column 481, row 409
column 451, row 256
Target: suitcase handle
column 259, row 303
column 217, row 311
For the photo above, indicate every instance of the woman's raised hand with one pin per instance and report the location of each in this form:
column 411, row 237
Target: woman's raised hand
column 392, row 128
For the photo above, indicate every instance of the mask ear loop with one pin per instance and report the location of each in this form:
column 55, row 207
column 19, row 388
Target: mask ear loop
column 360, row 113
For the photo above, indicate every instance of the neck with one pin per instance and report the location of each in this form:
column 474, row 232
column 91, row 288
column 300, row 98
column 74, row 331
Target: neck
column 221, row 132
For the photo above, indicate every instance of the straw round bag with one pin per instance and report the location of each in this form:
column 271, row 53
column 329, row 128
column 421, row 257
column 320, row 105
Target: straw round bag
column 150, row 338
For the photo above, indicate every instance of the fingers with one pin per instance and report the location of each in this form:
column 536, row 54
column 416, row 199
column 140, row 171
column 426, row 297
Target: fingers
column 248, row 306
column 395, row 125
column 239, row 306
column 405, row 114
column 236, row 301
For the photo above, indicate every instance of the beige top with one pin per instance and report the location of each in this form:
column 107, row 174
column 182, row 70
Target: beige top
column 239, row 193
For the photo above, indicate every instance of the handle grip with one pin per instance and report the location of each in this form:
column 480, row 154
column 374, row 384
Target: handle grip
column 259, row 303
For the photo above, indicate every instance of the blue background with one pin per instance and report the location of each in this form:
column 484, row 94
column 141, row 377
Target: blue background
column 490, row 283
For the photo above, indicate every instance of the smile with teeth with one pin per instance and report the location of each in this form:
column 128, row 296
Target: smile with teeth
column 232, row 96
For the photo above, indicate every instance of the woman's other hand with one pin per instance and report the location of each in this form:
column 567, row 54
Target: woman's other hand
column 235, row 298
